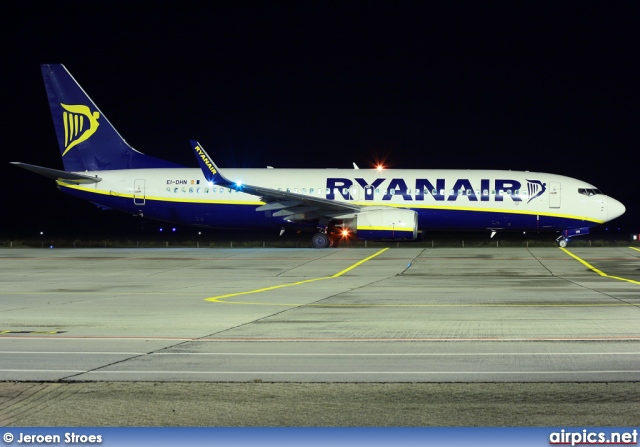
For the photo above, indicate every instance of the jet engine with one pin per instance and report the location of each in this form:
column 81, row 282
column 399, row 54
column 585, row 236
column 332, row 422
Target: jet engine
column 384, row 224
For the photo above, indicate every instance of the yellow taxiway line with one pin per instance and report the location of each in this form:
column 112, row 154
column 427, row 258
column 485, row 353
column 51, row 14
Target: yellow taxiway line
column 222, row 298
column 218, row 299
column 598, row 271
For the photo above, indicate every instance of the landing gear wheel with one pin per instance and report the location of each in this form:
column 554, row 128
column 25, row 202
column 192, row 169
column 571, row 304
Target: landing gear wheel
column 320, row 240
column 563, row 242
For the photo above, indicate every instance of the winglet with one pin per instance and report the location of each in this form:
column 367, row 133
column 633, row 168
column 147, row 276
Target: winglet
column 209, row 168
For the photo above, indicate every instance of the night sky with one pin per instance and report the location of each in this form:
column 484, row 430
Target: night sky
column 538, row 86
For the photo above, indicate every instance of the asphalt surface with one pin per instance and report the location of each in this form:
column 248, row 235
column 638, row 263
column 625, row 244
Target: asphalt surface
column 319, row 405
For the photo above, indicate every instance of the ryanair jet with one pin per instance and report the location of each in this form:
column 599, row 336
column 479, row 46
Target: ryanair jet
column 367, row 204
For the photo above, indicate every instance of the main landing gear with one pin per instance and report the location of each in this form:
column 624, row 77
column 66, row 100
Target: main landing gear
column 324, row 239
column 320, row 240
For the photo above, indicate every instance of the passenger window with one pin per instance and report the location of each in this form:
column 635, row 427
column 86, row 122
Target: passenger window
column 175, row 190
column 191, row 190
column 169, row 189
column 304, row 190
column 485, row 192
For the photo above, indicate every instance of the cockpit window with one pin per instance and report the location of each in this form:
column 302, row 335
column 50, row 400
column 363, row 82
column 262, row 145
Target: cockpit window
column 589, row 191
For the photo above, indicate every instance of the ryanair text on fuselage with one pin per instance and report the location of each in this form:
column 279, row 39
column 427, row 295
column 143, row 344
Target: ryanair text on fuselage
column 438, row 190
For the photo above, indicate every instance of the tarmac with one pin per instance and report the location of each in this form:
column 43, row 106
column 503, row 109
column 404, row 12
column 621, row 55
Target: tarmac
column 335, row 337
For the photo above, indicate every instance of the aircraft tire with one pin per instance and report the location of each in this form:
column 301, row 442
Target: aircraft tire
column 563, row 243
column 320, row 240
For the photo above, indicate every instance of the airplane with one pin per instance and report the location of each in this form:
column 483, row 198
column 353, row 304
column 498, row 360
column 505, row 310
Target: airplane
column 333, row 204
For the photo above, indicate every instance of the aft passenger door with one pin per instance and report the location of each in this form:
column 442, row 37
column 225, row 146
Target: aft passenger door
column 554, row 194
column 138, row 192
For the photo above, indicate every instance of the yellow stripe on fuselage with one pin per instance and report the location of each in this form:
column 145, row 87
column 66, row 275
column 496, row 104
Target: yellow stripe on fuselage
column 412, row 205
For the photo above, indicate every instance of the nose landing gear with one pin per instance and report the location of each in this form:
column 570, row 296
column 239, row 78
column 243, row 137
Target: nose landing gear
column 562, row 241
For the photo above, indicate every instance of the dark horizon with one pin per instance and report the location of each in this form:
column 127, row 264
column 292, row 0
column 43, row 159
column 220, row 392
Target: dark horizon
column 540, row 87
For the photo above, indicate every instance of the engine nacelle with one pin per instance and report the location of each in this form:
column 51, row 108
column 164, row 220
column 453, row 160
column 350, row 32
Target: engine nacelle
column 386, row 224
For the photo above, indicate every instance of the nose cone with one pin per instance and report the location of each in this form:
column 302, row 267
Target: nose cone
column 614, row 208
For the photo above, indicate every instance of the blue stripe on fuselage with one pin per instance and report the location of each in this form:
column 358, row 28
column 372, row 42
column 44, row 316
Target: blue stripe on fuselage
column 220, row 215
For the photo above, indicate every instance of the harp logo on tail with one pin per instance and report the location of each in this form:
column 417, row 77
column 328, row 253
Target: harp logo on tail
column 79, row 124
column 535, row 189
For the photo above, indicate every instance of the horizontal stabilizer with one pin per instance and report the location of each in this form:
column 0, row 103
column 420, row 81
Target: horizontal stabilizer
column 59, row 175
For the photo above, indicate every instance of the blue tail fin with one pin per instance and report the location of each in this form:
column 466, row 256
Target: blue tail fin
column 87, row 140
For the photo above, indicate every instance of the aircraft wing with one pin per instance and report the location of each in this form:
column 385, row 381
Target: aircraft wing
column 293, row 206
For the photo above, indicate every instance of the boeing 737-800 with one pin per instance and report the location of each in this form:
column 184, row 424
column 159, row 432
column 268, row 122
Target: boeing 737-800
column 99, row 166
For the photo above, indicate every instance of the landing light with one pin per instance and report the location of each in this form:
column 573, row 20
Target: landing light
column 379, row 168
column 345, row 233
